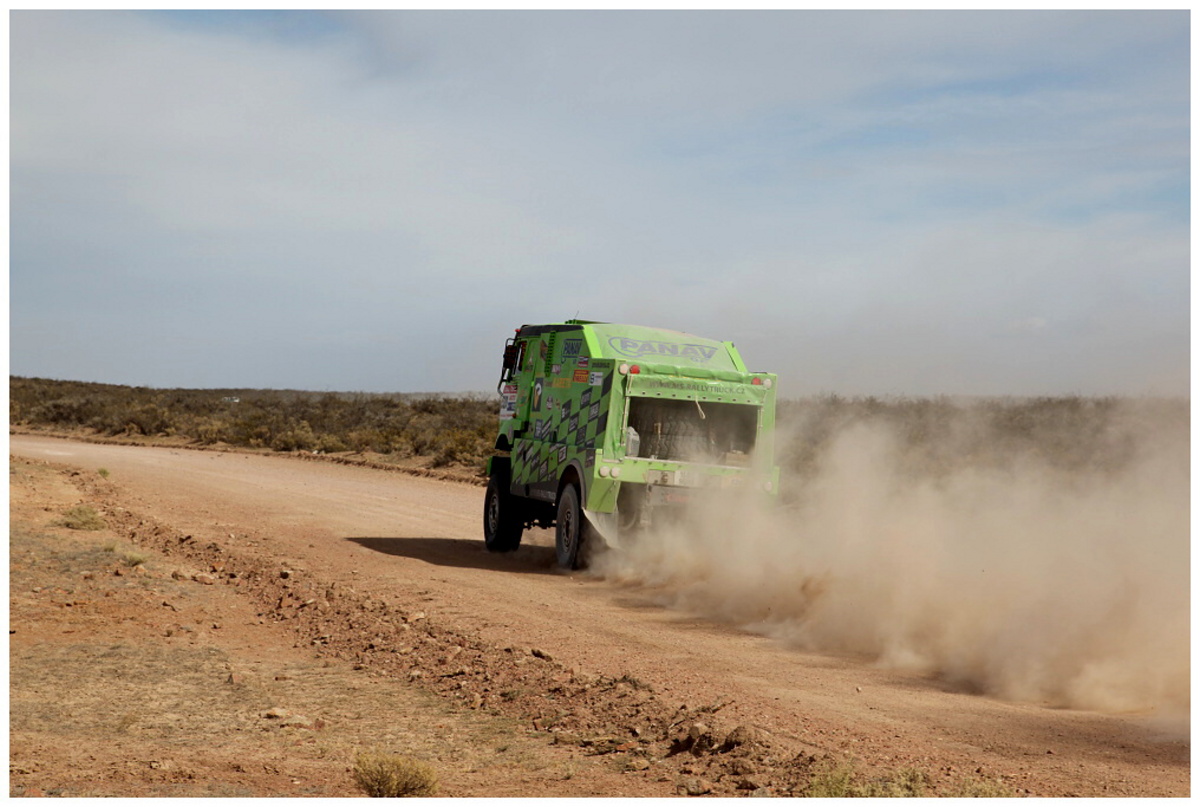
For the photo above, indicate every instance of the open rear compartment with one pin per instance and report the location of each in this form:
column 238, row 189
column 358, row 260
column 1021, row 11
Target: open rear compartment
column 691, row 431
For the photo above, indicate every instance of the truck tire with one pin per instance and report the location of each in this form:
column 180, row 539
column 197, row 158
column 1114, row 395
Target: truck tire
column 503, row 521
column 571, row 530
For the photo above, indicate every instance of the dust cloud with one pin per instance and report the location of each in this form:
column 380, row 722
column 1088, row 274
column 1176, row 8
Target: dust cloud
column 1014, row 573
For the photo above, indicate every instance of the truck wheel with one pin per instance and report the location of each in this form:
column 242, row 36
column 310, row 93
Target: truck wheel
column 502, row 518
column 571, row 531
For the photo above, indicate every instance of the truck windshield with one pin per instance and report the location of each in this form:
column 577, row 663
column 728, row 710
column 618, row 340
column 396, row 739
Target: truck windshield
column 691, row 431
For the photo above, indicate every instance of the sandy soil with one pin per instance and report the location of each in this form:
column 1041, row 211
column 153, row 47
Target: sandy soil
column 290, row 613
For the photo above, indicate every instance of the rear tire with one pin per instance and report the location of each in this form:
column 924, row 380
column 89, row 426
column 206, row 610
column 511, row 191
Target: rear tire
column 503, row 518
column 571, row 531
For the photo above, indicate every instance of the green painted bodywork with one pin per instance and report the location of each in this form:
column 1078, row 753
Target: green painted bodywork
column 566, row 403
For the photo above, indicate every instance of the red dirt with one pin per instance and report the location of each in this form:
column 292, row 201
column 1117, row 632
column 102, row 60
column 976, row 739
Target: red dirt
column 362, row 602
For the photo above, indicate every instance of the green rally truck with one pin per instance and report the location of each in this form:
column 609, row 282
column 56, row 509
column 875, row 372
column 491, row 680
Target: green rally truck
column 606, row 428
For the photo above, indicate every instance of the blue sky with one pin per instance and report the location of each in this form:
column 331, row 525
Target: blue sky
column 903, row 203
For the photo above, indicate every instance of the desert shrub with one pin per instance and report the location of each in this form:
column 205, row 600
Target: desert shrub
column 935, row 435
column 330, row 444
column 69, row 411
column 422, row 432
column 392, row 776
column 461, row 446
column 82, row 518
column 208, row 430
column 148, row 419
column 294, row 437
column 840, row 780
column 366, row 440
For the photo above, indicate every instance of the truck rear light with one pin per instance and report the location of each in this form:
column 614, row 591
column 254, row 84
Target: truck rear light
column 604, row 470
column 756, row 381
column 616, row 473
column 634, row 370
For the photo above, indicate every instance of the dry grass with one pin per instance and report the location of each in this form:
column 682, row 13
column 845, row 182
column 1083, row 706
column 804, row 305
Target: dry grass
column 82, row 518
column 830, row 780
column 835, row 781
column 393, row 776
column 133, row 558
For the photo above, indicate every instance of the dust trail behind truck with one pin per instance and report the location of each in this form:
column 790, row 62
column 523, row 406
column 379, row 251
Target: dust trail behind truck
column 606, row 429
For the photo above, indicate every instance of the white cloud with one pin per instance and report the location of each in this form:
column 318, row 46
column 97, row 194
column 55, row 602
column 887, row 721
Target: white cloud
column 868, row 187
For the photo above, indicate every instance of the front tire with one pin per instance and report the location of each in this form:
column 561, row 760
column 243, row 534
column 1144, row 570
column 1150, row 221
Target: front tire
column 502, row 515
column 571, row 531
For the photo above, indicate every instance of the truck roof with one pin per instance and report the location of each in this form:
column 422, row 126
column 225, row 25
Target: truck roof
column 638, row 342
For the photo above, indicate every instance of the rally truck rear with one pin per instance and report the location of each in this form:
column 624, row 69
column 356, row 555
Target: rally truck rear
column 606, row 429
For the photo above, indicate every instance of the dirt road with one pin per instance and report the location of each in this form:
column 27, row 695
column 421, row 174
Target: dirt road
column 412, row 548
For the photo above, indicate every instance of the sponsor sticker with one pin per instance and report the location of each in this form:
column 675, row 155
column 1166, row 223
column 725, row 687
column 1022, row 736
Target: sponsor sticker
column 596, row 379
column 581, row 376
column 508, row 402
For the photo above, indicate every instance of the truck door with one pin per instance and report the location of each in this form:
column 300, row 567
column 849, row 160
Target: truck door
column 527, row 381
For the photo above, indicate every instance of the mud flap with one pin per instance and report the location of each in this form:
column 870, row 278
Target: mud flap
column 605, row 526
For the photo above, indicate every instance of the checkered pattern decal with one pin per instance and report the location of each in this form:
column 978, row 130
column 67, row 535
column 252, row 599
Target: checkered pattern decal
column 570, row 429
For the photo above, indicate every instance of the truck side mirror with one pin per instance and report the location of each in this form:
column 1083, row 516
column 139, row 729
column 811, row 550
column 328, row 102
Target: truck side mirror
column 510, row 356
